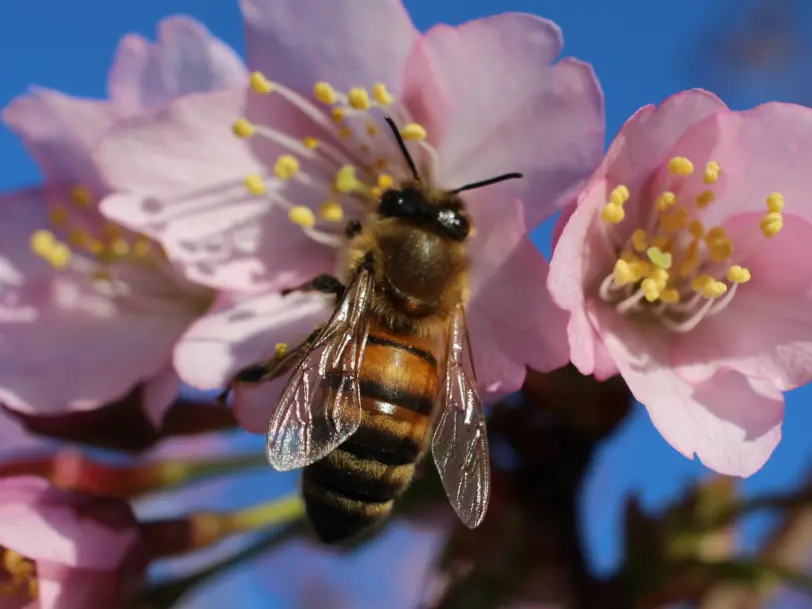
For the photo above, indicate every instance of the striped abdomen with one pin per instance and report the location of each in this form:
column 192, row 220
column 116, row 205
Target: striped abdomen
column 354, row 487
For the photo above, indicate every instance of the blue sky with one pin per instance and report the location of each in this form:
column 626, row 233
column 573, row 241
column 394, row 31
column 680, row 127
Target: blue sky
column 641, row 50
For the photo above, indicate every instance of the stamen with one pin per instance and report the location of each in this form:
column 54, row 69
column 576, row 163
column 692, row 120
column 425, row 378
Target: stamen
column 712, row 172
column 337, row 114
column 612, row 213
column 650, row 290
column 280, row 349
column 359, row 98
column 381, row 94
column 738, row 274
column 301, row 215
column 82, row 196
column 619, row 195
column 260, row 84
column 697, row 229
column 666, row 200
column 58, row 216
column 775, row 202
column 413, row 131
column 311, row 143
column 346, row 181
column 659, row 258
column 680, row 166
column 331, row 211
column 705, row 198
column 255, row 184
column 243, row 128
column 286, row 167
column 771, row 224
column 669, row 296
column 639, row 240
column 623, row 274
column 324, row 93
column 46, row 246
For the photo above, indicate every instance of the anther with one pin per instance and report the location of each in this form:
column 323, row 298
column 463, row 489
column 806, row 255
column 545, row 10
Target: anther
column 112, row 230
column 674, row 220
column 259, row 83
column 650, row 290
column 280, row 349
column 385, row 181
column 666, row 200
column 660, row 277
column 371, row 129
column 662, row 242
column 301, row 215
column 243, row 128
column 705, row 198
column 623, row 273
column 286, row 167
column 669, row 296
column 358, row 98
column 771, row 224
column 680, row 166
column 331, row 211
column 639, row 240
column 413, row 131
column 345, row 133
column 721, row 250
column 699, row 283
column 311, row 143
column 697, row 229
column 58, row 216
column 714, row 289
column 337, row 114
column 142, row 246
column 324, row 93
column 81, row 195
column 619, row 195
column 712, row 172
column 346, row 181
column 738, row 274
column 659, row 258
column 255, row 184
column 381, row 94
column 775, row 202
column 613, row 214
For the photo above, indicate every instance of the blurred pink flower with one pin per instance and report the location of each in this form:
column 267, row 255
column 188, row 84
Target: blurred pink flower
column 65, row 550
column 675, row 274
column 484, row 98
column 89, row 309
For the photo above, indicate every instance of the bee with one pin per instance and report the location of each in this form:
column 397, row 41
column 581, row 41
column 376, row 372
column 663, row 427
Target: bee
column 392, row 363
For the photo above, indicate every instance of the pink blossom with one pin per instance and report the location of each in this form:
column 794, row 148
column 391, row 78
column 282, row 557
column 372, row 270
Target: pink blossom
column 65, row 550
column 680, row 271
column 89, row 309
column 478, row 100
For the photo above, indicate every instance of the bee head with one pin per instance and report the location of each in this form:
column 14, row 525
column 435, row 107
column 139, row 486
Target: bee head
column 410, row 204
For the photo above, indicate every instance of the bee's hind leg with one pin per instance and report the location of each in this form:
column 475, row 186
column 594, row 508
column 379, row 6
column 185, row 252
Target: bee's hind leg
column 324, row 283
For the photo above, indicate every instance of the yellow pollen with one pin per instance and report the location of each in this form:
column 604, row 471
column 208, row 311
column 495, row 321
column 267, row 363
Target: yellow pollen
column 259, row 83
column 613, row 214
column 324, row 93
column 705, row 198
column 112, row 231
column 243, row 128
column 345, row 179
column 381, row 94
column 639, row 269
column 650, row 290
column 721, row 250
column 623, row 273
column 691, row 262
column 311, row 143
column 142, row 245
column 712, row 172
column 119, row 247
column 659, row 258
column 58, row 216
column 669, row 296
column 82, row 196
column 674, row 220
column 660, row 277
column 715, row 234
column 280, row 349
column 78, row 237
column 16, row 564
column 372, row 129
column 413, row 131
column 331, row 211
column 619, row 195
column 345, row 133
column 697, row 229
column 771, row 224
column 775, row 202
column 385, row 181
column 255, row 184
column 738, row 274
column 639, row 240
column 286, row 167
column 381, row 164
column 375, row 193
column 358, row 98
column 698, row 284
column 714, row 289
column 44, row 244
column 301, row 215
column 661, row 241
column 42, row 241
column 337, row 114
column 666, row 200
column 680, row 166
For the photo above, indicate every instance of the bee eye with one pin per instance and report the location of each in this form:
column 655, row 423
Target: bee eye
column 454, row 224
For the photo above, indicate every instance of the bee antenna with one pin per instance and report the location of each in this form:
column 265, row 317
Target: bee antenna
column 403, row 148
column 488, row 182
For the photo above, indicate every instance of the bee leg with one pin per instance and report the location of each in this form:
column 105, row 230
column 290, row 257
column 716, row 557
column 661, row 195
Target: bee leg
column 353, row 228
column 326, row 284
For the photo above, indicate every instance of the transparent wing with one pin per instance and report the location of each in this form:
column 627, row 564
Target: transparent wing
column 460, row 442
column 320, row 406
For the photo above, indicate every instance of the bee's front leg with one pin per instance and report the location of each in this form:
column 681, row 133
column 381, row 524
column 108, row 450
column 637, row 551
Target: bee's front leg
column 324, row 283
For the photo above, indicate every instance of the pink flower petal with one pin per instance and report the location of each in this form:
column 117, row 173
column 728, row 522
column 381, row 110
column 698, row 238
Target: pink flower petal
column 60, row 131
column 43, row 522
column 239, row 332
column 506, row 98
column 22, row 211
column 344, row 42
column 766, row 332
column 512, row 320
column 731, row 422
column 186, row 59
column 159, row 393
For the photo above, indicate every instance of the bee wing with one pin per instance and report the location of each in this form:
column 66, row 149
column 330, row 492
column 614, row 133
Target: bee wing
column 460, row 442
column 320, row 406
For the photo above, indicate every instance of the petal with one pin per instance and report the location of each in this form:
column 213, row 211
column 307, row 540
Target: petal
column 185, row 175
column 60, row 132
column 760, row 151
column 506, row 98
column 23, row 212
column 766, row 332
column 242, row 330
column 159, row 393
column 185, row 59
column 511, row 318
column 731, row 422
column 43, row 522
column 344, row 42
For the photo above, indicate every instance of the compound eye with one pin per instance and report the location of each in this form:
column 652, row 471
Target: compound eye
column 455, row 224
column 398, row 204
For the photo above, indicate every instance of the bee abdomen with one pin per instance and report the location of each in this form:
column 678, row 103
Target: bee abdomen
column 345, row 494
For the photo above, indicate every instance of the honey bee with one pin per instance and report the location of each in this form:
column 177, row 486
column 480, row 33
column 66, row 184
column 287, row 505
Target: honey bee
column 392, row 362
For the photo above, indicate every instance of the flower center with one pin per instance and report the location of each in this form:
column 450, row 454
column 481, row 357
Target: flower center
column 18, row 575
column 346, row 163
column 674, row 268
